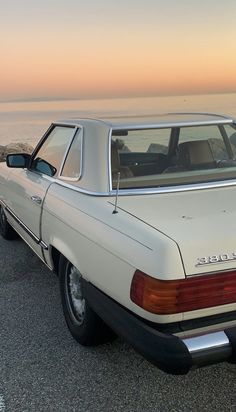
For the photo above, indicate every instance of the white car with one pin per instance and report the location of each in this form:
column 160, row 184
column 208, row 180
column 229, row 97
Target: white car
column 137, row 216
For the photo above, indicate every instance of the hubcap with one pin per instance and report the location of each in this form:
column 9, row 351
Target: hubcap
column 75, row 297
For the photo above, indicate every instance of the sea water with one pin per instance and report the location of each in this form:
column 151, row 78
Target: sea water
column 27, row 121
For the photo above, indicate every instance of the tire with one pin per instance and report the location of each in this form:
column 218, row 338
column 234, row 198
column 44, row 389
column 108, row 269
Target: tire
column 84, row 324
column 6, row 230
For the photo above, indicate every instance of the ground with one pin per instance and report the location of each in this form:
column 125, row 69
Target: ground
column 43, row 369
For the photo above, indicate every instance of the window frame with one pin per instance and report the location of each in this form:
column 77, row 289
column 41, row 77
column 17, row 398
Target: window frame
column 43, row 140
column 79, row 129
column 174, row 138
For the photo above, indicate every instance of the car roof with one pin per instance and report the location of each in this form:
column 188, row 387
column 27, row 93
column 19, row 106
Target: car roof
column 154, row 121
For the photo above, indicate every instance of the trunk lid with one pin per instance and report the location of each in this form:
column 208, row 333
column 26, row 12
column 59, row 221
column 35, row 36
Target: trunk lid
column 201, row 222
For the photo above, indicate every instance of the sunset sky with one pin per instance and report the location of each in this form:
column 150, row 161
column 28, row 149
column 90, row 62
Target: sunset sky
column 111, row 48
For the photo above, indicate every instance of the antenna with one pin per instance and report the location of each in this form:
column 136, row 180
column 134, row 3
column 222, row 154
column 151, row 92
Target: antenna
column 117, row 193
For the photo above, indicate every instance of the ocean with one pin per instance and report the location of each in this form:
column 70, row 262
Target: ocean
column 27, row 121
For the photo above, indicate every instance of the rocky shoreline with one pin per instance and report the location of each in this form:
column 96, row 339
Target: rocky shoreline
column 14, row 148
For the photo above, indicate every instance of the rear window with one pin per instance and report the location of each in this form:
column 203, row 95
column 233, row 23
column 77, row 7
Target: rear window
column 173, row 156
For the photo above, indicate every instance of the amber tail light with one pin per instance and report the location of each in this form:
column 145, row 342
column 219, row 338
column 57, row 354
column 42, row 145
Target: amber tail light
column 174, row 296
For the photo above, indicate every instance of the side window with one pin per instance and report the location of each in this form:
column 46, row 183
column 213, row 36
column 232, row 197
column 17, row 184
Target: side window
column 49, row 157
column 212, row 137
column 73, row 163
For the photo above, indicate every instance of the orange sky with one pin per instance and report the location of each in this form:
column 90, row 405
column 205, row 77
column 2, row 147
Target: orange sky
column 126, row 48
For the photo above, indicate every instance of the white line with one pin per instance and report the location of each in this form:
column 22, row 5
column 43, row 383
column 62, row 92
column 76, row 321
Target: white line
column 2, row 404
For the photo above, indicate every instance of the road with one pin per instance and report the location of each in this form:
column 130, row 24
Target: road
column 43, row 369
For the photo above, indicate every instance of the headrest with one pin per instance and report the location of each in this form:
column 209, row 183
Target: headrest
column 196, row 153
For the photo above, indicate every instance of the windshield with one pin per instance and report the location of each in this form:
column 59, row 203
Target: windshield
column 173, row 156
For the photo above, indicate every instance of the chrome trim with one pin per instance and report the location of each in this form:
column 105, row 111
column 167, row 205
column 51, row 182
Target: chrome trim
column 168, row 189
column 43, row 245
column 210, row 348
column 110, row 121
column 35, row 251
column 135, row 192
column 174, row 189
column 209, row 341
column 45, row 136
column 3, row 203
column 76, row 128
column 21, row 224
column 109, row 161
column 67, row 123
column 67, row 149
column 215, row 263
column 69, row 179
column 26, row 229
column 40, row 142
column 61, row 182
column 138, row 192
column 171, row 124
column 74, row 179
column 223, row 116
column 81, row 190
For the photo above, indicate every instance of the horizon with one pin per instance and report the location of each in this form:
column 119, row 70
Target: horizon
column 125, row 97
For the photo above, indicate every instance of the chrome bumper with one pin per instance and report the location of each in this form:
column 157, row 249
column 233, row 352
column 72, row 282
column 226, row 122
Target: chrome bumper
column 171, row 353
column 210, row 348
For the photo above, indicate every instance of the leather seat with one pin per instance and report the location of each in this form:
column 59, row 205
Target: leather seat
column 115, row 163
column 193, row 155
column 196, row 155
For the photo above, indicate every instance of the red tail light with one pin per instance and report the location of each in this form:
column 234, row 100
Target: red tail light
column 174, row 296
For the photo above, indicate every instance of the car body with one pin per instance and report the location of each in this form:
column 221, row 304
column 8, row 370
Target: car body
column 137, row 215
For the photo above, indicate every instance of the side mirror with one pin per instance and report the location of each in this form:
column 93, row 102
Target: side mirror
column 19, row 160
column 42, row 166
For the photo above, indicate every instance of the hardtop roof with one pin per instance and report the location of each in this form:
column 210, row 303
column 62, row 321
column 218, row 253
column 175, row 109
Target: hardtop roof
column 153, row 121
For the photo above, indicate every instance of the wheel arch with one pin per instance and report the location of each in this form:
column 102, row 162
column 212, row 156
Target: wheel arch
column 58, row 249
column 55, row 257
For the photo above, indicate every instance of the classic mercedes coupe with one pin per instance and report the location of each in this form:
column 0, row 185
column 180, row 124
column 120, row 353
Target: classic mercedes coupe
column 137, row 216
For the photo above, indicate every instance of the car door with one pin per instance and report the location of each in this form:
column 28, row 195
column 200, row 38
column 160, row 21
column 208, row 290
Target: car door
column 26, row 188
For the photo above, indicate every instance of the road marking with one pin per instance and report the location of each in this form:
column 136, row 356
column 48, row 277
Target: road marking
column 2, row 404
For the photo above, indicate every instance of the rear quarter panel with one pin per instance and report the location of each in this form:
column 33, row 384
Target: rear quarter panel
column 107, row 248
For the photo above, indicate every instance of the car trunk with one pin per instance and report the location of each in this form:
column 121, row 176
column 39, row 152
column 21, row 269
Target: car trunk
column 201, row 222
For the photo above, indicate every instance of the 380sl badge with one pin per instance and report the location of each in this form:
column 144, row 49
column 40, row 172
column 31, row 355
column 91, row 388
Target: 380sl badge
column 210, row 260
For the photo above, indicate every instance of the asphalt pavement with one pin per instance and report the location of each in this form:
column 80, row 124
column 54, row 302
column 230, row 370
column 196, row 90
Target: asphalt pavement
column 43, row 369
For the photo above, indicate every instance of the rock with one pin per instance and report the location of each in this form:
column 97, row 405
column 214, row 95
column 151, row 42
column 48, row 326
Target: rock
column 2, row 153
column 14, row 148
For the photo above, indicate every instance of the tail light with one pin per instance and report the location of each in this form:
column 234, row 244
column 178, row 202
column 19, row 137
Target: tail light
column 174, row 296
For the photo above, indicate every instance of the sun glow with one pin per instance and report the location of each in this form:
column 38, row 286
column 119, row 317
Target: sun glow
column 163, row 50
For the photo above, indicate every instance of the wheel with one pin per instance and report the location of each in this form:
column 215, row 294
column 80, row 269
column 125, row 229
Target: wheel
column 84, row 324
column 6, row 230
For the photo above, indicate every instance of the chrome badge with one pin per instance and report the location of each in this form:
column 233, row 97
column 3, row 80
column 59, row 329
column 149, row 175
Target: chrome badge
column 214, row 259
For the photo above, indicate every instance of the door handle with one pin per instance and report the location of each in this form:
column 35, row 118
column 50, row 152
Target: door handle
column 36, row 199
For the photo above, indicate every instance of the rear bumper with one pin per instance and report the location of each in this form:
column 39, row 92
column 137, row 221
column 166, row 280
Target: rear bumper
column 209, row 348
column 168, row 352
